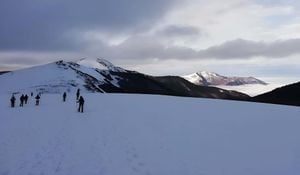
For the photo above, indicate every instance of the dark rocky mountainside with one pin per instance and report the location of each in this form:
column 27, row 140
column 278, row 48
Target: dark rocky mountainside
column 3, row 72
column 134, row 82
column 287, row 95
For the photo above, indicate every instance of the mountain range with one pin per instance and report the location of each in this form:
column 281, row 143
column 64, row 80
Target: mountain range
column 63, row 76
column 104, row 77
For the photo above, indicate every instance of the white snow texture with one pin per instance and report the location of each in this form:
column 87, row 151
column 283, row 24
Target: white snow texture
column 148, row 135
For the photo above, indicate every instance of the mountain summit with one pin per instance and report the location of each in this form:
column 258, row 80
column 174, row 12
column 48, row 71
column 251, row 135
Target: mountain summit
column 110, row 66
column 206, row 78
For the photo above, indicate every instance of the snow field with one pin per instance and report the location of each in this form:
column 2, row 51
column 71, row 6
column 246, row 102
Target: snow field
column 120, row 134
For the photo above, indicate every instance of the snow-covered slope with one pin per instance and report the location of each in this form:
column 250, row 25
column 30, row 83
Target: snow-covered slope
column 148, row 135
column 214, row 79
column 55, row 77
column 52, row 77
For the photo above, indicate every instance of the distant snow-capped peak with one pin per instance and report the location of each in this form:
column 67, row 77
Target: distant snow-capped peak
column 207, row 74
column 207, row 78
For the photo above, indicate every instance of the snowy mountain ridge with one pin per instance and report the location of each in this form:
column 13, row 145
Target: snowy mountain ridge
column 55, row 77
column 102, row 76
column 207, row 78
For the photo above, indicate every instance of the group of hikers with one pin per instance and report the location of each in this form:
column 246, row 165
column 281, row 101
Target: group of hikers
column 24, row 99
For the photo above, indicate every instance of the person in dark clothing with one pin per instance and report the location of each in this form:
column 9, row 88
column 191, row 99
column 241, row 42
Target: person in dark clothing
column 26, row 98
column 81, row 102
column 22, row 100
column 64, row 96
column 37, row 100
column 77, row 94
column 12, row 101
column 31, row 94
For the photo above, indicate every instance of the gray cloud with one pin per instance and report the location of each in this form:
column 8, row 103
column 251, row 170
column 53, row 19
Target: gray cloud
column 145, row 47
column 26, row 59
column 57, row 26
column 6, row 68
column 21, row 60
column 246, row 49
column 149, row 47
column 53, row 24
column 278, row 2
column 142, row 48
column 174, row 30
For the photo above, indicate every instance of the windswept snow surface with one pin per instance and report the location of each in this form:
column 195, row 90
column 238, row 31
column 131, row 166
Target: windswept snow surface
column 151, row 135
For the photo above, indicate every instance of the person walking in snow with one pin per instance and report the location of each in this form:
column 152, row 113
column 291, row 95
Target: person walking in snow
column 12, row 101
column 81, row 103
column 26, row 98
column 77, row 94
column 64, row 96
column 22, row 100
column 31, row 94
column 37, row 100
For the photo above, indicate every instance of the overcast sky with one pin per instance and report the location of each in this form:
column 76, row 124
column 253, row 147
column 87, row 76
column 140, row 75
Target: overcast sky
column 235, row 37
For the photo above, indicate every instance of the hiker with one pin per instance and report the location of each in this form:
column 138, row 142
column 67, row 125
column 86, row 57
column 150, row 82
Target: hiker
column 12, row 101
column 31, row 94
column 26, row 98
column 22, row 100
column 77, row 94
column 64, row 96
column 81, row 102
column 37, row 100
